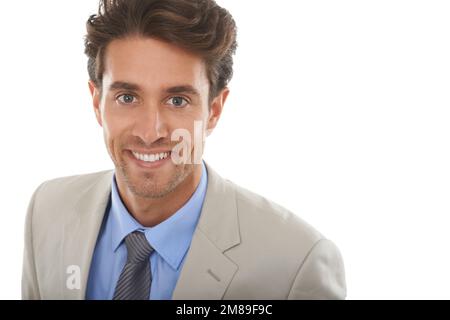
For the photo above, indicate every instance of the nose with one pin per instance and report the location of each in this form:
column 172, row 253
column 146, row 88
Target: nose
column 150, row 124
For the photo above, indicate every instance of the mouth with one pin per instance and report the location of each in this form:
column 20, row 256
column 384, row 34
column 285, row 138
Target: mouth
column 150, row 160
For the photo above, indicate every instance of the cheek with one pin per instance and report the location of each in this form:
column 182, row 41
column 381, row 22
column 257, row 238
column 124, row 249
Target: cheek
column 114, row 122
column 193, row 118
column 113, row 130
column 197, row 128
column 108, row 131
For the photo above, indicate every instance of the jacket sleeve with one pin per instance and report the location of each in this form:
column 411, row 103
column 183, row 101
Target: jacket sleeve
column 321, row 275
column 30, row 286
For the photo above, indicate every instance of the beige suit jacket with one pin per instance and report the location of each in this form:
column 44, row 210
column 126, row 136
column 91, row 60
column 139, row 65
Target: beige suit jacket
column 244, row 246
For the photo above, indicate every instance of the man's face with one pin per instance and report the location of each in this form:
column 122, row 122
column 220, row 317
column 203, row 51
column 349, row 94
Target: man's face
column 150, row 89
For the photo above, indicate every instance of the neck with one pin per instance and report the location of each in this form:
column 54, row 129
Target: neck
column 150, row 212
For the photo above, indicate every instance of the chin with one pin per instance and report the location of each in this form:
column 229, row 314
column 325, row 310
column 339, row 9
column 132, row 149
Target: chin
column 150, row 193
column 152, row 185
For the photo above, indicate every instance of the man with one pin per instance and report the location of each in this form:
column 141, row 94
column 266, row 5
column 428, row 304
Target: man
column 163, row 224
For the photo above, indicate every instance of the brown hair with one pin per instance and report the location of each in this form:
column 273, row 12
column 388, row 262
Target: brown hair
column 199, row 26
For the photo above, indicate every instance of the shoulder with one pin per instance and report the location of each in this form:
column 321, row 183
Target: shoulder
column 259, row 214
column 281, row 241
column 74, row 182
column 59, row 194
column 70, row 185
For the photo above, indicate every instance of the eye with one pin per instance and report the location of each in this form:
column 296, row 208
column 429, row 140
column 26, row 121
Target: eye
column 178, row 102
column 126, row 98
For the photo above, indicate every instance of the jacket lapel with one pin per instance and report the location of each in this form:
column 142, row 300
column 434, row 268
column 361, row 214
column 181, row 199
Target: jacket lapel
column 207, row 271
column 80, row 234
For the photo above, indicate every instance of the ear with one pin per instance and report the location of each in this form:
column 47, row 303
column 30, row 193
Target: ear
column 95, row 93
column 216, row 110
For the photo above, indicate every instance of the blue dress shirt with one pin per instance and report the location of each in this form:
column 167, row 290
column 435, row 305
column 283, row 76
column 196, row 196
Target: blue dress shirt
column 170, row 239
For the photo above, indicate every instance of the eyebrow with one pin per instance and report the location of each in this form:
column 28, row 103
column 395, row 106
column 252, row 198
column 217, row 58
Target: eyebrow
column 124, row 85
column 171, row 90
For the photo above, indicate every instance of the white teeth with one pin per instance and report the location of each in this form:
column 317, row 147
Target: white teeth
column 151, row 157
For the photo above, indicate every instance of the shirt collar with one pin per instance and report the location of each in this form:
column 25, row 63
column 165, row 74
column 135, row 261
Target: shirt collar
column 172, row 237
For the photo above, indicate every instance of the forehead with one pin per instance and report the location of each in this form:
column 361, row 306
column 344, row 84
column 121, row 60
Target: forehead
column 152, row 63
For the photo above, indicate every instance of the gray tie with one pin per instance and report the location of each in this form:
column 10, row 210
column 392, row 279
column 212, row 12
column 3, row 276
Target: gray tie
column 136, row 277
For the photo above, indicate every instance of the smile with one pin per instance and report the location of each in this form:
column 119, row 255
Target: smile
column 153, row 157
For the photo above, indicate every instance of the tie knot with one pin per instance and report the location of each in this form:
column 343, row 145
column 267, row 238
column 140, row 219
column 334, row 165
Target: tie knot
column 138, row 247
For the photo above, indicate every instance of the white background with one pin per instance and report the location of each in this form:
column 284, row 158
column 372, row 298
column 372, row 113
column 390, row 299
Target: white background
column 339, row 111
